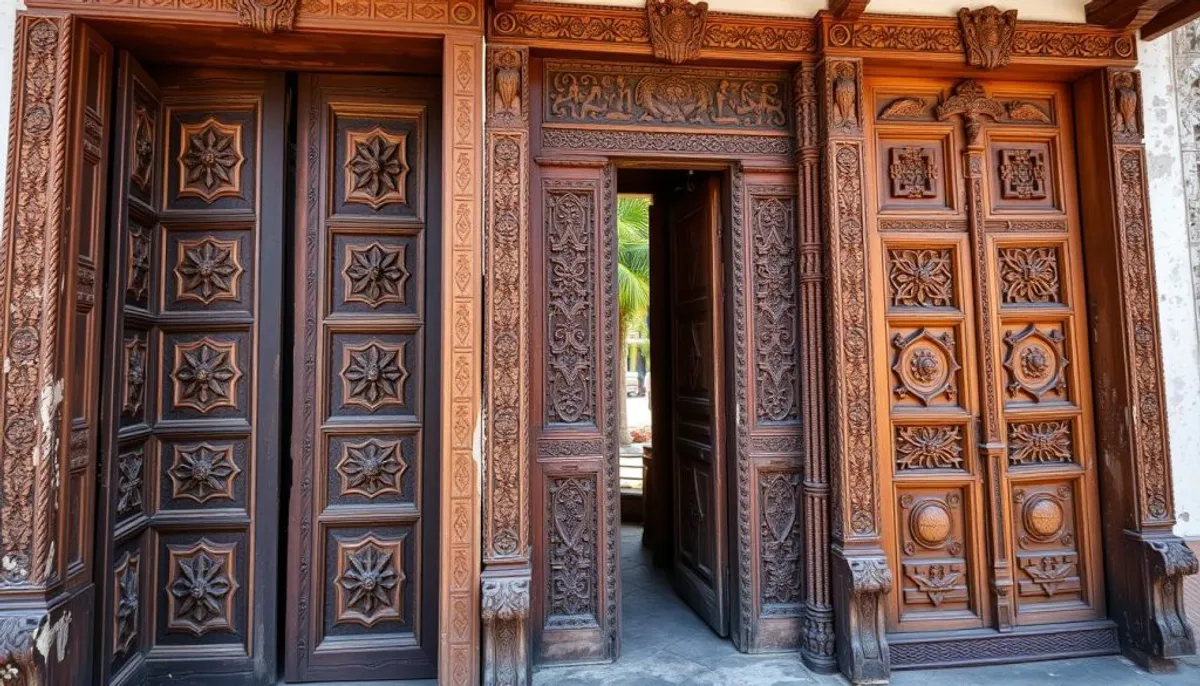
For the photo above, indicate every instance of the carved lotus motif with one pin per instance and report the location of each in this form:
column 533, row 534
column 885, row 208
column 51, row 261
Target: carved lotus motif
column 200, row 588
column 206, row 375
column 369, row 581
column 371, row 468
column 373, row 375
column 1039, row 443
column 210, row 161
column 376, row 168
column 127, row 603
column 375, row 274
column 208, row 270
column 203, row 472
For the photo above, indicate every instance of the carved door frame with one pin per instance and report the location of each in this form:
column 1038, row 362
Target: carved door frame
column 50, row 130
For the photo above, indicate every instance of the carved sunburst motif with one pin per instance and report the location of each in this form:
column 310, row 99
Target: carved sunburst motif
column 206, row 375
column 200, row 588
column 371, row 468
column 373, row 375
column 375, row 274
column 210, row 160
column 376, row 167
column 370, row 580
column 202, row 472
column 208, row 269
column 1029, row 275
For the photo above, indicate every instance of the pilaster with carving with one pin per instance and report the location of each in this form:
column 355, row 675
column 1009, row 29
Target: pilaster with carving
column 817, row 644
column 507, row 573
column 860, row 571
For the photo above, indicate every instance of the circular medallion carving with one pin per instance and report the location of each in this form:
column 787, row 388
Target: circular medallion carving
column 1035, row 361
column 1043, row 517
column 930, row 524
column 924, row 366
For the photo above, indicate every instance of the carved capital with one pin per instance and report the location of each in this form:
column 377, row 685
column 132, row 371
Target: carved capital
column 676, row 29
column 987, row 35
column 505, row 609
column 267, row 16
column 860, row 582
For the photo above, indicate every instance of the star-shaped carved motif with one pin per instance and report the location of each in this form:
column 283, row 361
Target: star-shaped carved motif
column 370, row 579
column 208, row 269
column 201, row 588
column 206, row 375
column 371, row 468
column 135, row 375
column 373, row 375
column 203, row 472
column 375, row 274
column 127, row 603
column 376, row 168
column 129, row 482
column 210, row 160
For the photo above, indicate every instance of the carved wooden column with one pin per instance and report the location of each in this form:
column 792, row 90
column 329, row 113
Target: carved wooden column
column 859, row 568
column 1146, row 563
column 817, row 645
column 506, row 574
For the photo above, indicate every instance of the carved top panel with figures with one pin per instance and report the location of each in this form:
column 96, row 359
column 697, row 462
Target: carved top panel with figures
column 656, row 96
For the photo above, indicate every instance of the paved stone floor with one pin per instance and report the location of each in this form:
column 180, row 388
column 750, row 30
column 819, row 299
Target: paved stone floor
column 663, row 642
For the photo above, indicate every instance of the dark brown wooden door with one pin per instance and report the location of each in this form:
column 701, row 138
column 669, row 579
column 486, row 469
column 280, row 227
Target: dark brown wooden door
column 362, row 580
column 188, row 513
column 693, row 227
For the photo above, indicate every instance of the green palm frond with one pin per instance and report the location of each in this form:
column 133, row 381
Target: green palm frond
column 633, row 258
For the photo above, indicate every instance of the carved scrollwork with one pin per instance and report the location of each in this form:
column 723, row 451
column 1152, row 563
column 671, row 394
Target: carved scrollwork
column 210, row 160
column 905, row 108
column 370, row 578
column 200, row 587
column 208, row 270
column 203, row 472
column 206, row 375
column 780, row 543
column 376, row 168
column 774, row 285
column 676, row 29
column 373, row 375
column 988, row 35
column 571, row 539
column 571, row 299
column 504, row 609
column 267, row 16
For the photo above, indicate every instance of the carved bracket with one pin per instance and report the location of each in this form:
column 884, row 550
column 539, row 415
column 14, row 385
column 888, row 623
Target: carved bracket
column 988, row 36
column 861, row 583
column 267, row 16
column 505, row 611
column 1166, row 561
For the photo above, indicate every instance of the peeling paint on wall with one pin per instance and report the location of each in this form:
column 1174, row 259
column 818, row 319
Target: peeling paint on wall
column 53, row 635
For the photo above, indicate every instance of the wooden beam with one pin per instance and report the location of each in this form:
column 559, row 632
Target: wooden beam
column 1123, row 14
column 1171, row 18
column 848, row 9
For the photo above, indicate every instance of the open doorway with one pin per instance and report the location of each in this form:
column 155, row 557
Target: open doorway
column 674, row 462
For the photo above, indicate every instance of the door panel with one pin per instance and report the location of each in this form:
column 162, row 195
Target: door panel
column 363, row 533
column 693, row 225
column 194, row 325
column 994, row 517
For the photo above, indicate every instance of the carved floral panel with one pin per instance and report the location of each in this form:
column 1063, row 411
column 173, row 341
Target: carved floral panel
column 571, row 306
column 200, row 587
column 1029, row 275
column 774, row 286
column 373, row 375
column 1040, row 442
column 925, row 366
column 921, row 277
column 375, row 274
column 371, row 468
column 376, row 167
column 208, row 269
column 572, row 593
column 1035, row 362
column 369, row 580
column 210, row 160
column 929, row 447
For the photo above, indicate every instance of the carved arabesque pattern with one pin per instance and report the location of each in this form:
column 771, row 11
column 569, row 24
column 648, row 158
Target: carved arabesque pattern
column 571, row 593
column 921, row 277
column 1032, row 443
column 570, row 396
column 929, row 447
column 780, row 543
column 774, row 287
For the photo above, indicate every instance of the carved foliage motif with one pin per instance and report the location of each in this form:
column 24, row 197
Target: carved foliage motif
column 376, row 168
column 1029, row 275
column 206, row 375
column 571, row 532
column 913, row 171
column 375, row 274
column 1023, row 174
column 780, row 542
column 135, row 376
column 210, row 160
column 203, row 472
column 676, row 28
column 267, row 16
column 638, row 95
column 129, row 482
column 142, row 168
column 921, row 277
column 988, row 35
column 126, row 602
column 137, row 278
column 1033, row 443
column 371, row 468
column 200, row 588
column 208, row 270
column 370, row 580
column 571, row 303
column 928, row 447
column 905, row 108
column 373, row 375
column 774, row 284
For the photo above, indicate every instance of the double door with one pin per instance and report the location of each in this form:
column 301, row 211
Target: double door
column 987, row 450
column 246, row 342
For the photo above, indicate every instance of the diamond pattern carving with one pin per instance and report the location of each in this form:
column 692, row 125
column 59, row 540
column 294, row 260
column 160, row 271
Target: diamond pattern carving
column 375, row 274
column 370, row 577
column 376, row 167
column 925, row 365
column 206, row 375
column 921, row 278
column 135, row 375
column 126, row 603
column 913, row 171
column 1023, row 174
column 208, row 269
column 372, row 468
column 200, row 588
column 129, row 482
column 210, row 160
column 373, row 375
column 1039, row 443
column 203, row 472
column 928, row 447
column 1035, row 362
column 1029, row 275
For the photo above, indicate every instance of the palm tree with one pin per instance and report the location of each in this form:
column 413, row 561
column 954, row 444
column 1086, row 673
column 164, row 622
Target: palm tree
column 633, row 279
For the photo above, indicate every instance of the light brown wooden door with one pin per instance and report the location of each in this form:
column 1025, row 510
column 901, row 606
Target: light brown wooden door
column 697, row 439
column 979, row 311
column 188, row 510
column 363, row 529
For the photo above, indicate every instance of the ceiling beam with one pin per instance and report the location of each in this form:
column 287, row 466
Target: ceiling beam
column 848, row 9
column 1123, row 14
column 1171, row 18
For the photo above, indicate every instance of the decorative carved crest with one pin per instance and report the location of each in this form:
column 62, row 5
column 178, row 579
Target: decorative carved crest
column 676, row 29
column 972, row 102
column 267, row 16
column 988, row 36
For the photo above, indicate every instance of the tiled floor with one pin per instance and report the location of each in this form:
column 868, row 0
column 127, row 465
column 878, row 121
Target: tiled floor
column 663, row 642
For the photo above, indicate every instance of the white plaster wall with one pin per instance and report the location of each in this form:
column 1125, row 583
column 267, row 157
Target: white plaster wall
column 1033, row 10
column 8, row 16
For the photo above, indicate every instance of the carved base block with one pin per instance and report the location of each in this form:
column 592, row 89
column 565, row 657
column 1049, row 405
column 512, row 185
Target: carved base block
column 817, row 640
column 1162, row 633
column 505, row 613
column 859, row 585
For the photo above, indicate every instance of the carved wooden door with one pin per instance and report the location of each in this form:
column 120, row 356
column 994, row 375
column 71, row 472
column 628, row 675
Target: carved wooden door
column 188, row 514
column 363, row 532
column 981, row 334
column 697, row 333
